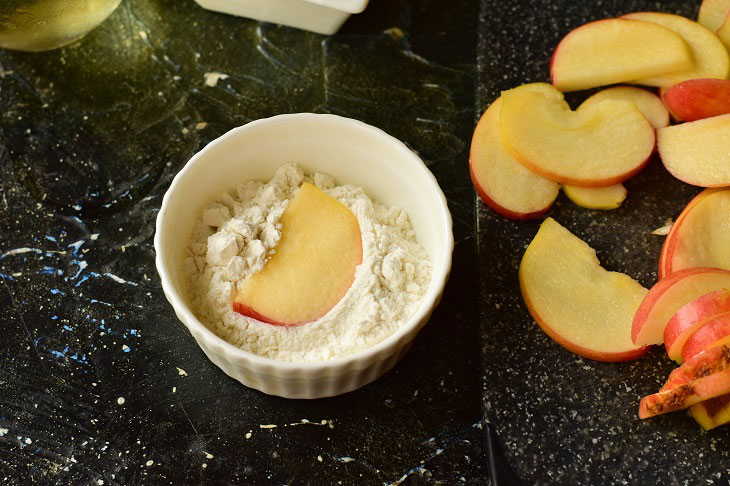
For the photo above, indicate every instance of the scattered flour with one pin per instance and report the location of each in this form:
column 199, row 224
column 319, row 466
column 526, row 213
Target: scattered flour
column 235, row 235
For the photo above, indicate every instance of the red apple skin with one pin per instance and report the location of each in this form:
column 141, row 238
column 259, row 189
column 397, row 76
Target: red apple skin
column 708, row 361
column 696, row 99
column 581, row 350
column 670, row 242
column 499, row 209
column 686, row 395
column 707, row 336
column 691, row 314
column 658, row 290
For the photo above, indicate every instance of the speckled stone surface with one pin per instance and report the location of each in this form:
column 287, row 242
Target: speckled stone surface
column 562, row 419
column 99, row 382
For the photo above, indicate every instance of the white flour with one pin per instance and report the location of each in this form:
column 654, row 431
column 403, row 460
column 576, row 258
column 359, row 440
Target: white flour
column 234, row 236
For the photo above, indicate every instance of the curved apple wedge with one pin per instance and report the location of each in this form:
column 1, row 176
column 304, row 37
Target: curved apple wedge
column 691, row 317
column 696, row 152
column 502, row 183
column 697, row 99
column 703, row 377
column 712, row 413
column 709, row 55
column 668, row 295
column 700, row 236
column 649, row 104
column 583, row 307
column 598, row 145
column 686, row 395
column 313, row 266
column 614, row 51
column 714, row 332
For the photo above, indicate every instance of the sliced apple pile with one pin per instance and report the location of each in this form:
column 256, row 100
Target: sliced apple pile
column 714, row 15
column 700, row 237
column 649, row 104
column 502, row 183
column 583, row 307
column 698, row 98
column 713, row 332
column 692, row 316
column 697, row 152
column 292, row 290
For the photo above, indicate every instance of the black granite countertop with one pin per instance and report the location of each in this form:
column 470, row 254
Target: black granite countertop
column 101, row 384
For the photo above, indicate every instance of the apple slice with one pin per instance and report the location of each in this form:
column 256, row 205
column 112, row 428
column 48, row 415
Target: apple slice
column 598, row 145
column 712, row 413
column 668, row 296
column 502, row 183
column 723, row 33
column 701, row 235
column 696, row 152
column 683, row 396
column 609, row 197
column 698, row 98
column 313, row 266
column 712, row 13
column 709, row 361
column 691, row 317
column 583, row 307
column 714, row 332
column 710, row 56
column 614, row 51
column 649, row 104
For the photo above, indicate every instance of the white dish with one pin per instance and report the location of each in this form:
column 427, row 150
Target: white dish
column 353, row 153
column 321, row 16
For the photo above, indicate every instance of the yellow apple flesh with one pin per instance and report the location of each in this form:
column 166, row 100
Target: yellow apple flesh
column 649, row 104
column 614, row 51
column 502, row 183
column 583, row 307
column 313, row 265
column 710, row 57
column 598, row 145
column 609, row 197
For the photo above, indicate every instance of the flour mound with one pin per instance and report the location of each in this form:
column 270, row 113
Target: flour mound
column 235, row 235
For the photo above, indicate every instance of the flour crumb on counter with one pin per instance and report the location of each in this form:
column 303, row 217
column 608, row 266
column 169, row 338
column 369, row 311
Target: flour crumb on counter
column 235, row 236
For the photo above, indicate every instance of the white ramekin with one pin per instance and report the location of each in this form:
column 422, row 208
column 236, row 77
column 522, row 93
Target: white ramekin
column 321, row 16
column 353, row 153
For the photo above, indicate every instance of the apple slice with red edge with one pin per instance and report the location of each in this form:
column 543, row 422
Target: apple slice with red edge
column 649, row 104
column 670, row 241
column 710, row 57
column 691, row 317
column 583, row 307
column 614, row 51
column 502, row 183
column 712, row 13
column 696, row 152
column 713, row 332
column 688, row 394
column 598, row 145
column 701, row 235
column 697, row 99
column 668, row 295
column 313, row 266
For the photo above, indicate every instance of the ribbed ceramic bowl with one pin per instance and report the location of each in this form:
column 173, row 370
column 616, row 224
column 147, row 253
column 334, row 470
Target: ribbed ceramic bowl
column 353, row 153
